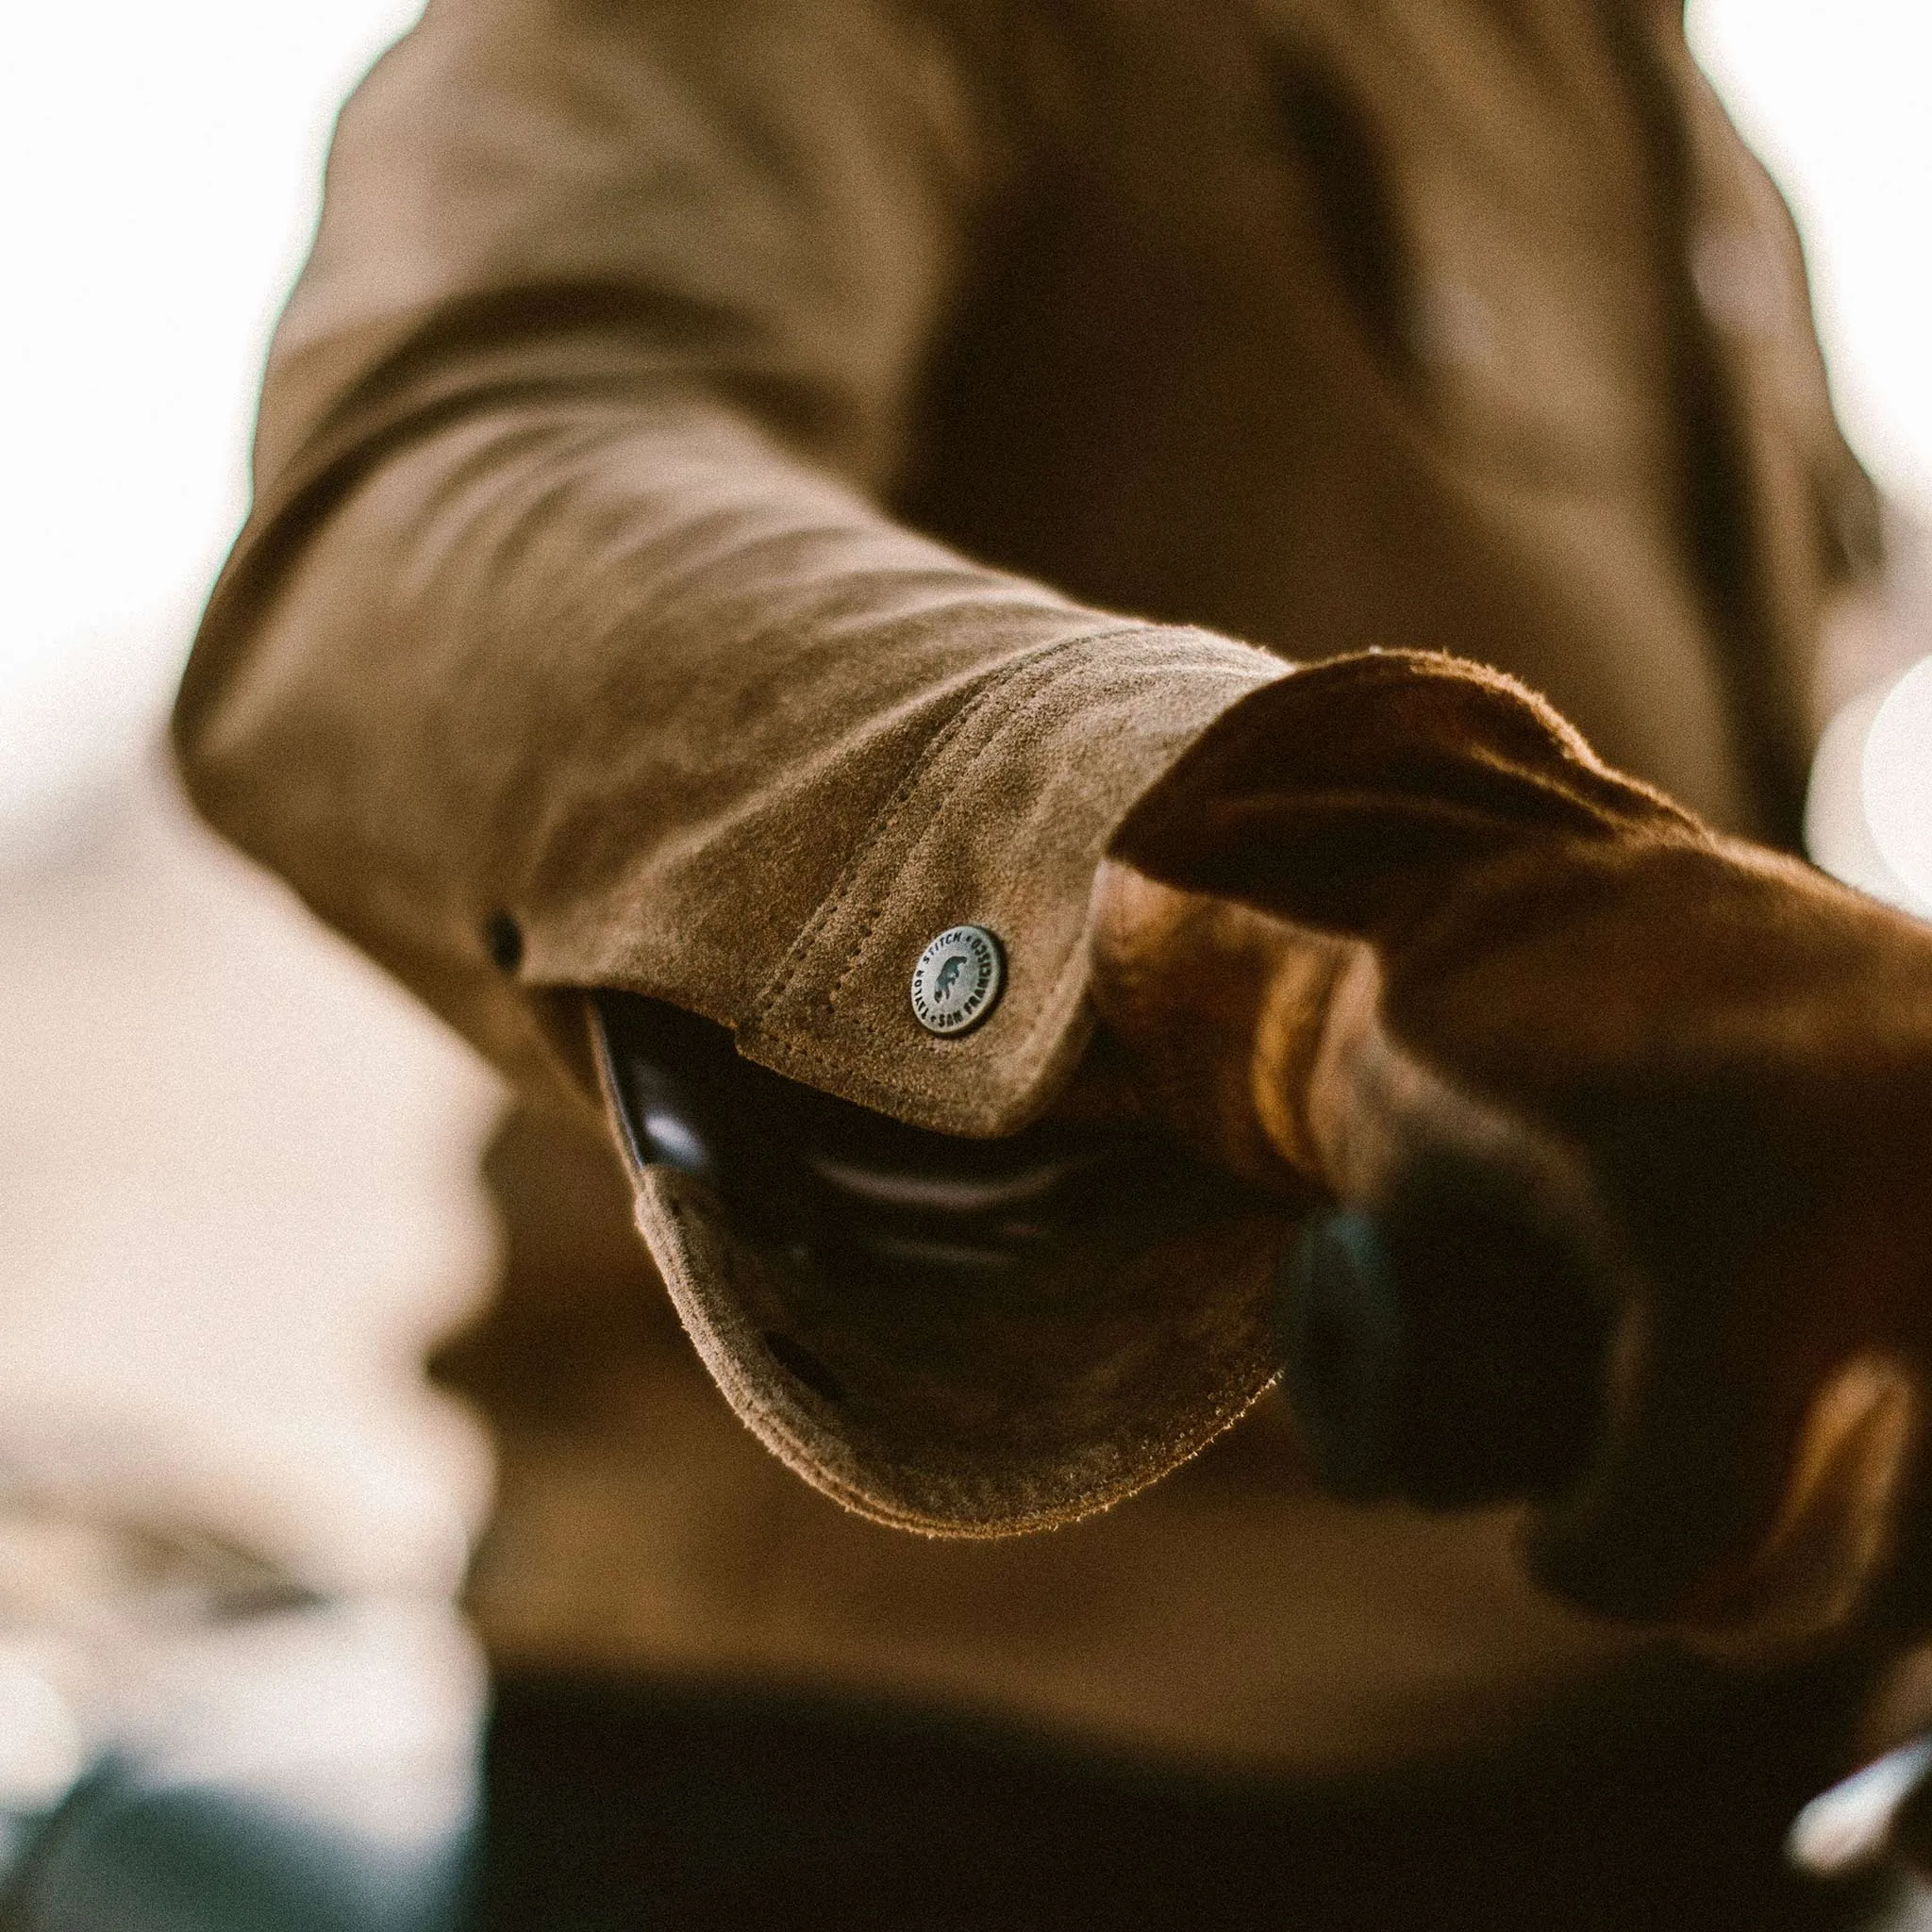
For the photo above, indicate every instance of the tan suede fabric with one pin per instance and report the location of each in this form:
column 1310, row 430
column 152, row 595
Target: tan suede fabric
column 743, row 486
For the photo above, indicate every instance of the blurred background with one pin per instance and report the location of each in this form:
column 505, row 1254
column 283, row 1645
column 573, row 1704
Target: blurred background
column 236, row 1168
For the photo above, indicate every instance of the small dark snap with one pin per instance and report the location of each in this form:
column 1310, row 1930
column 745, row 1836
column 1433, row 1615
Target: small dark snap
column 505, row 939
column 804, row 1366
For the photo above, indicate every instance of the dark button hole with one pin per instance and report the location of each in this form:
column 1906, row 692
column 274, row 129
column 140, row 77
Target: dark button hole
column 806, row 1366
column 505, row 939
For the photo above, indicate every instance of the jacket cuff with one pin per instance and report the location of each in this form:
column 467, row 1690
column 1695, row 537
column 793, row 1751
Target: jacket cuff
column 1001, row 824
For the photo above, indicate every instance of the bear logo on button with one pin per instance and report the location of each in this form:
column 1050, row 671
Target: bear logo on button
column 957, row 980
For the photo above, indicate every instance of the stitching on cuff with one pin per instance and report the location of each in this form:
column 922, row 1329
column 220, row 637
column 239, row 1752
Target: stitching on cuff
column 802, row 949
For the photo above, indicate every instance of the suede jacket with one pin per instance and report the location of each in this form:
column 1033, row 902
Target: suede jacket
column 744, row 485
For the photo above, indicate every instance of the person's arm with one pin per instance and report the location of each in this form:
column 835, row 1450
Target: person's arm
column 568, row 650
column 568, row 646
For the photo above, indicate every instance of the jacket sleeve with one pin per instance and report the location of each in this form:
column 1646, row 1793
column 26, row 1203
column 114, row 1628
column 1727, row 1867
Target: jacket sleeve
column 567, row 645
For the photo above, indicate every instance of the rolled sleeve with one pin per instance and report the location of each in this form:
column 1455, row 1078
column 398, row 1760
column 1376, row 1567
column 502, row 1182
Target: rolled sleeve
column 1000, row 822
column 622, row 678
column 568, row 648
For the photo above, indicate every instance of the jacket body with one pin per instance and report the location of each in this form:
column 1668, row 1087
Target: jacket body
column 742, row 488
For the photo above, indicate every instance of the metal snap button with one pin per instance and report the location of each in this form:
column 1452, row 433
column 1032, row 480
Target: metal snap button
column 959, row 979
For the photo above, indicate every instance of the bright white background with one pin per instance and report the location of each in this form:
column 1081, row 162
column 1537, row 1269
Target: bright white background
column 160, row 166
column 1833, row 94
column 237, row 1167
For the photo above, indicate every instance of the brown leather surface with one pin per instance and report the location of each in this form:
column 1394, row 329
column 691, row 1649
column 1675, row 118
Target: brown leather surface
column 1697, row 1073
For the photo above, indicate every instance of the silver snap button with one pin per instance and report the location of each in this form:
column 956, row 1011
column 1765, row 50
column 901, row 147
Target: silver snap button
column 957, row 980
